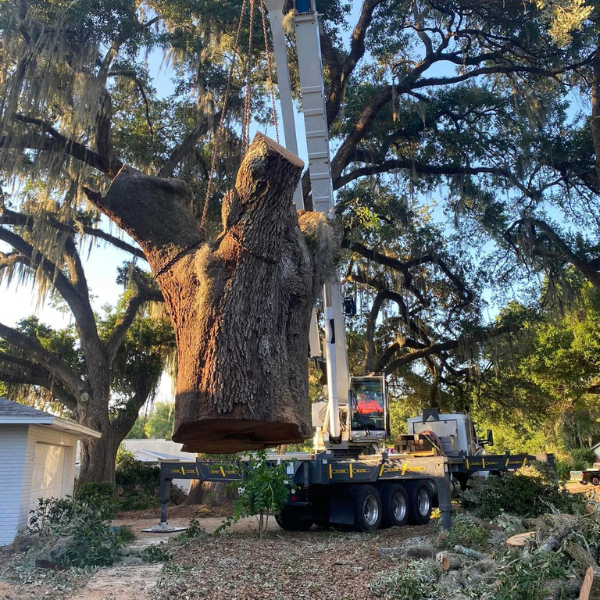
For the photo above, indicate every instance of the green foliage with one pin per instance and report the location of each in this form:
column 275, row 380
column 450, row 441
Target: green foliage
column 263, row 491
column 539, row 397
column 464, row 532
column 140, row 482
column 524, row 579
column 526, row 493
column 82, row 532
column 137, row 432
column 415, row 580
column 157, row 425
column 125, row 534
column 100, row 497
column 142, row 356
column 583, row 458
column 194, row 530
column 156, row 553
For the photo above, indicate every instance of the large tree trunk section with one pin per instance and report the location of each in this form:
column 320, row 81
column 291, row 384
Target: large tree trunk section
column 240, row 304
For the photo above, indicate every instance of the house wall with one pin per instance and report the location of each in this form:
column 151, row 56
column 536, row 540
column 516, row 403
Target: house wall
column 13, row 451
column 17, row 457
column 46, row 435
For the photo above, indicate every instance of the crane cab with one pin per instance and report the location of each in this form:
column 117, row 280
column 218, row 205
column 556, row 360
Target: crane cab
column 367, row 417
column 364, row 416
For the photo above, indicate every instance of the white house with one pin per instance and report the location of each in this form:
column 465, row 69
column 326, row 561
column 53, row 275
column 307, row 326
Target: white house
column 37, row 460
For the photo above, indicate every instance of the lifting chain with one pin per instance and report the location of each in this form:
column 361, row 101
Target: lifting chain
column 247, row 100
column 271, row 83
column 217, row 138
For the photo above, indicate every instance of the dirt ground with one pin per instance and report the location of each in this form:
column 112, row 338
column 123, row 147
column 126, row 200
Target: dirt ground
column 316, row 565
column 319, row 564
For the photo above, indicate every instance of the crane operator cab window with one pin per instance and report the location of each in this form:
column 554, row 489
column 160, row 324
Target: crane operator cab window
column 368, row 405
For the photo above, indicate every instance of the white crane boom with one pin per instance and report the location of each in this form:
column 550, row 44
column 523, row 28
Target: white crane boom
column 317, row 139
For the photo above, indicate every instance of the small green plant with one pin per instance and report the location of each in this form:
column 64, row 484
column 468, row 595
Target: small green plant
column 465, row 532
column 526, row 494
column 125, row 534
column 414, row 580
column 264, row 491
column 156, row 553
column 194, row 530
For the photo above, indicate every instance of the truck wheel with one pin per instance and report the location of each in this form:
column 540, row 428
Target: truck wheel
column 367, row 508
column 291, row 519
column 394, row 502
column 420, row 503
column 595, row 480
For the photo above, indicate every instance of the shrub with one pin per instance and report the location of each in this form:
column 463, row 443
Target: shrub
column 465, row 532
column 140, row 482
column 100, row 497
column 74, row 533
column 125, row 534
column 583, row 458
column 563, row 469
column 194, row 530
column 414, row 580
column 264, row 490
column 526, row 493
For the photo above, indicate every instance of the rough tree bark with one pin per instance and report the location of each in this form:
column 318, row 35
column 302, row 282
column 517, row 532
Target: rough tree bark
column 241, row 304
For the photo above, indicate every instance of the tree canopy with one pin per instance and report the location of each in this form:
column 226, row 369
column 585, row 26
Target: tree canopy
column 464, row 143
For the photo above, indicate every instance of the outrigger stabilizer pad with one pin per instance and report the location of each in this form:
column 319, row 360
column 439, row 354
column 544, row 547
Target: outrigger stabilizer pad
column 164, row 527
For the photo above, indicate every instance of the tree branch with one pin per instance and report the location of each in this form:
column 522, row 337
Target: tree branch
column 60, row 144
column 37, row 376
column 53, row 365
column 529, row 225
column 443, row 347
column 404, row 267
column 10, row 217
column 187, row 145
column 75, row 293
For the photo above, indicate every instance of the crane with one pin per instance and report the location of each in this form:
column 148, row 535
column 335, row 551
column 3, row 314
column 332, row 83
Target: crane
column 351, row 479
column 344, row 421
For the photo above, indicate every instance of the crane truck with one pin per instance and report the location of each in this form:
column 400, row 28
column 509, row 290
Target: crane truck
column 351, row 478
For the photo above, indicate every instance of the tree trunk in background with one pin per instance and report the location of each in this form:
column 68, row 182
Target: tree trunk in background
column 210, row 494
column 241, row 304
column 98, row 457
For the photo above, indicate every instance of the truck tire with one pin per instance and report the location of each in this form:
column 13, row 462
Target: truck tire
column 367, row 508
column 420, row 503
column 394, row 503
column 291, row 519
column 595, row 480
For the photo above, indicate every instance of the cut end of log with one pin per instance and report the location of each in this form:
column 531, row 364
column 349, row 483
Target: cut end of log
column 278, row 148
column 227, row 436
column 520, row 540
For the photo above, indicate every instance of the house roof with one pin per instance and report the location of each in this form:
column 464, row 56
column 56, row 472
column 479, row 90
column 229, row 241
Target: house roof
column 157, row 450
column 13, row 413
